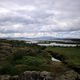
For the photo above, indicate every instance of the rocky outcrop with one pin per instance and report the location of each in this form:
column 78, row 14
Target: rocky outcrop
column 14, row 77
column 69, row 75
column 44, row 75
column 30, row 75
column 36, row 75
column 4, row 77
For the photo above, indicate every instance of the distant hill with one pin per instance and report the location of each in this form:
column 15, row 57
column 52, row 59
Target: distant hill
column 40, row 38
column 36, row 38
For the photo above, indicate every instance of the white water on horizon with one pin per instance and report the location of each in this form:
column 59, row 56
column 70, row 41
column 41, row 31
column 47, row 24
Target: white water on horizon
column 59, row 44
column 56, row 60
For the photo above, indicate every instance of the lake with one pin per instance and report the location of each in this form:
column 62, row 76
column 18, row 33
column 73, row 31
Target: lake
column 59, row 44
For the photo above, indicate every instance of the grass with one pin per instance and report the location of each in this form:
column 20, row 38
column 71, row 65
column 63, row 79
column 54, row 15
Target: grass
column 72, row 55
column 17, row 57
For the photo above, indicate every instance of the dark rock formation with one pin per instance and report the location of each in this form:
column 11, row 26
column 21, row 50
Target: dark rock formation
column 44, row 75
column 69, row 75
column 4, row 77
column 32, row 75
column 14, row 77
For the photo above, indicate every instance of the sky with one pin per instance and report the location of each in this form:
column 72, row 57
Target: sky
column 35, row 18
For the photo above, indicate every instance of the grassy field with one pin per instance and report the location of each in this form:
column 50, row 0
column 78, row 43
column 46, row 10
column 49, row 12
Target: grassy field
column 71, row 55
column 17, row 57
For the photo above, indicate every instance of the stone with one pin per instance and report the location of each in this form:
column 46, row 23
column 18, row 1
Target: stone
column 14, row 77
column 46, row 75
column 4, row 77
column 35, row 75
column 69, row 75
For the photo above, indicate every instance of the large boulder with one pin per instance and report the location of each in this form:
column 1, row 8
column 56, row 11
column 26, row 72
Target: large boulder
column 69, row 75
column 4, row 77
column 35, row 75
column 44, row 75
column 25, row 76
column 14, row 77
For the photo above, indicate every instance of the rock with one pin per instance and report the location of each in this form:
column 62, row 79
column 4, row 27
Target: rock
column 69, row 75
column 4, row 77
column 35, row 75
column 46, row 75
column 14, row 77
column 26, row 76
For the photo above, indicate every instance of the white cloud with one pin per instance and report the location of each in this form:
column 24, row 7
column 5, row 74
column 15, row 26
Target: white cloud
column 32, row 18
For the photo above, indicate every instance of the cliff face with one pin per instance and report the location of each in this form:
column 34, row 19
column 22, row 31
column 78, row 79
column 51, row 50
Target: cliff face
column 44, row 75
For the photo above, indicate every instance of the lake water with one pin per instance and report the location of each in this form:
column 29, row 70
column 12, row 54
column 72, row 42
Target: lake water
column 59, row 44
column 53, row 59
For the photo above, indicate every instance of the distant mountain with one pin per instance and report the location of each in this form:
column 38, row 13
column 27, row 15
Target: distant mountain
column 40, row 38
column 15, row 38
column 46, row 38
column 37, row 38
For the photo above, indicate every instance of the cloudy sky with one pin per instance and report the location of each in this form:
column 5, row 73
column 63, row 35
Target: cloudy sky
column 35, row 18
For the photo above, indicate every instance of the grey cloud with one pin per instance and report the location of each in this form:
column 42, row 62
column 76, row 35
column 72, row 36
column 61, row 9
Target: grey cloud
column 40, row 16
column 16, row 20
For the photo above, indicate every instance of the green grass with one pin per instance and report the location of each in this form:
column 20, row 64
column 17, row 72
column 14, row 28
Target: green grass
column 72, row 55
column 17, row 57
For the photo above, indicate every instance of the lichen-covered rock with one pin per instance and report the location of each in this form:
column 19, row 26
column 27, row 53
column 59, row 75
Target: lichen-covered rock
column 44, row 75
column 14, row 77
column 35, row 75
column 4, row 77
column 69, row 75
column 26, row 75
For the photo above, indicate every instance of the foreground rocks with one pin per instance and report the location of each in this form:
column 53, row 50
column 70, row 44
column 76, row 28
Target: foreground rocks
column 30, row 75
column 69, row 75
column 44, row 75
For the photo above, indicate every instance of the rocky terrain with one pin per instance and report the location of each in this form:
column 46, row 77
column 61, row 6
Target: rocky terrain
column 44, row 75
column 22, row 61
